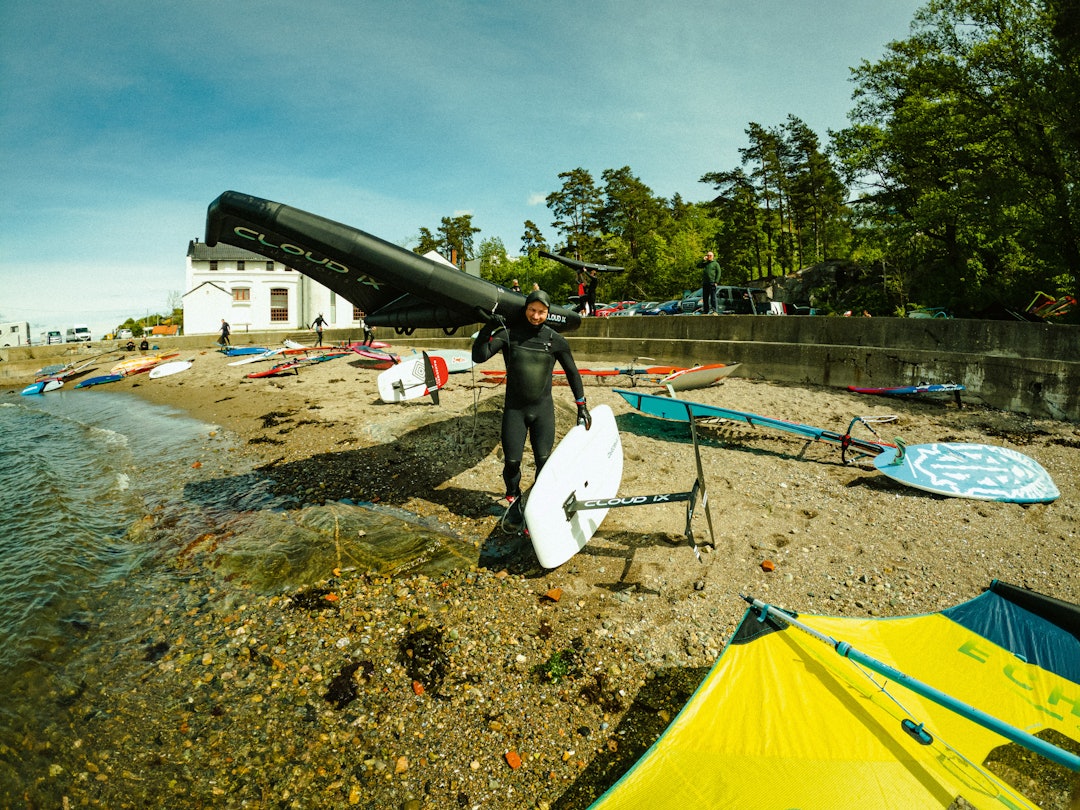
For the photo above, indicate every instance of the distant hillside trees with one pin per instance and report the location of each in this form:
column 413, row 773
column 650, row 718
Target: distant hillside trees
column 955, row 184
column 964, row 144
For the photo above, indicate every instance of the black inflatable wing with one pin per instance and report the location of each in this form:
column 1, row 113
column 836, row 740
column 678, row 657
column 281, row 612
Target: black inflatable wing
column 394, row 286
column 576, row 265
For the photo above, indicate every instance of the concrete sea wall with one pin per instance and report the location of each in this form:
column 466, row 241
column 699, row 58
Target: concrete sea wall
column 1022, row 367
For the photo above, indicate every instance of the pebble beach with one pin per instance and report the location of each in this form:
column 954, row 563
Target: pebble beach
column 287, row 660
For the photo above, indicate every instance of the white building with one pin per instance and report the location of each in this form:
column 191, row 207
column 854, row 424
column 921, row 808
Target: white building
column 254, row 293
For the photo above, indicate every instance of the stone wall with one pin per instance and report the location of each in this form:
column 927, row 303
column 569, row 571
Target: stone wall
column 1023, row 367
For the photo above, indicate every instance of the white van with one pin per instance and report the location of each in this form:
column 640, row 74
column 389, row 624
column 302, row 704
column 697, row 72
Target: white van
column 78, row 333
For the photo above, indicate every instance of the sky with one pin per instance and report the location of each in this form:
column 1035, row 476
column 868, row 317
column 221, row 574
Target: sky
column 122, row 120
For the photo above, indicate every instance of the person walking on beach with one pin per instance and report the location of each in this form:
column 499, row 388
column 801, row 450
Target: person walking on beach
column 530, row 349
column 369, row 333
column 710, row 278
column 225, row 331
column 318, row 325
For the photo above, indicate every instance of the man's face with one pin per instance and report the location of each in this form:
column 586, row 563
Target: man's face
column 536, row 313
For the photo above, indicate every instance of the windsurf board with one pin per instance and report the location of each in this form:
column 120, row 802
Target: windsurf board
column 41, row 387
column 903, row 390
column 239, row 351
column 413, row 377
column 139, row 364
column 257, row 358
column 586, row 465
column 979, row 471
column 280, row 368
column 100, row 380
column 166, row 369
column 456, row 361
column 698, row 377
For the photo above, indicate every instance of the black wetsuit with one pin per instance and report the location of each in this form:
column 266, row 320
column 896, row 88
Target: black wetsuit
column 530, row 353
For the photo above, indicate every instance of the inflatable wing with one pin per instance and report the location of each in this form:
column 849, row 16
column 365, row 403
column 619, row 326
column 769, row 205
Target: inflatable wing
column 791, row 716
column 367, row 271
column 576, row 265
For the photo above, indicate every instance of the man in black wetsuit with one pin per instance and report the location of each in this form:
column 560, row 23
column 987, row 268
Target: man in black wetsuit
column 530, row 349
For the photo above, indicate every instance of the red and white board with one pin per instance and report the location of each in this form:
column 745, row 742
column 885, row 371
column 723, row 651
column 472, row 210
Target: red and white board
column 413, row 377
column 688, row 379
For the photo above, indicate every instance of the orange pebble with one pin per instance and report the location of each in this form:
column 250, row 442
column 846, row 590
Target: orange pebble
column 513, row 760
column 768, row 565
column 418, row 687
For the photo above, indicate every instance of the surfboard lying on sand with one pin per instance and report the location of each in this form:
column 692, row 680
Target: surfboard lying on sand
column 99, row 380
column 698, row 376
column 979, row 471
column 167, row 369
column 140, row 363
column 586, row 465
column 258, row 358
column 413, row 377
column 904, row 390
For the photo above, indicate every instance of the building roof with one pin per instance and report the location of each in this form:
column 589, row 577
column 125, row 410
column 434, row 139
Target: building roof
column 201, row 252
column 217, row 287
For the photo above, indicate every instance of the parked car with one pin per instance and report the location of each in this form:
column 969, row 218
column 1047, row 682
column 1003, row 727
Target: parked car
column 124, row 334
column 634, row 309
column 79, row 333
column 729, row 300
column 52, row 336
column 666, row 308
column 604, row 310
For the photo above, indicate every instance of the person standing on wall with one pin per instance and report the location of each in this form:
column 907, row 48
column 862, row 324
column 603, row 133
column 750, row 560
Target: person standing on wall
column 590, row 291
column 318, row 325
column 710, row 278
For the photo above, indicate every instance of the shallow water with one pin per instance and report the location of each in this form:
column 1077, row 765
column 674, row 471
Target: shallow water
column 102, row 490
column 76, row 470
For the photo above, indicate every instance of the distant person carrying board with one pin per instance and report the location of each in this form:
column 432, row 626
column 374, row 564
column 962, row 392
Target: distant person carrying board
column 710, row 278
column 530, row 349
column 224, row 333
column 318, row 325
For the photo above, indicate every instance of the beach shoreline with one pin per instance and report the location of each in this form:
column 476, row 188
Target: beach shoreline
column 259, row 695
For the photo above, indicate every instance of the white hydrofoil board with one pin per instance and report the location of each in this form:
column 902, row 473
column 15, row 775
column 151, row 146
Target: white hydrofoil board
column 586, row 464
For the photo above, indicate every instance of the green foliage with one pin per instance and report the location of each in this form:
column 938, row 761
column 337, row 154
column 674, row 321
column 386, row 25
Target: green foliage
column 963, row 151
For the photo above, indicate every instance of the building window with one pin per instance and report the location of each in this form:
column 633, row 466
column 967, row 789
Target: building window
column 279, row 305
column 269, row 266
column 356, row 314
column 213, row 265
column 240, row 266
column 241, row 294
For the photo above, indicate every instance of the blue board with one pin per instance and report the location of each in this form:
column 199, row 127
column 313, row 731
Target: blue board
column 980, row 471
column 903, row 390
column 677, row 409
column 104, row 378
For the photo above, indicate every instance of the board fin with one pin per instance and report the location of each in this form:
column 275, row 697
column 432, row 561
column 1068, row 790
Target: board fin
column 429, row 378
